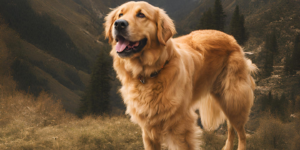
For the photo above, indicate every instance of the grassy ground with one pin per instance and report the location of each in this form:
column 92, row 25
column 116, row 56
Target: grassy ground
column 33, row 123
column 89, row 133
column 39, row 123
column 271, row 135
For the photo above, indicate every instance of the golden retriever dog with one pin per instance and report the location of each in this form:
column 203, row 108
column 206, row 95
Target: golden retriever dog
column 164, row 79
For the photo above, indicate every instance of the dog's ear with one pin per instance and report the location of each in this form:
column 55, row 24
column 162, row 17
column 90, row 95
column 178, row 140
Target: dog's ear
column 109, row 20
column 165, row 27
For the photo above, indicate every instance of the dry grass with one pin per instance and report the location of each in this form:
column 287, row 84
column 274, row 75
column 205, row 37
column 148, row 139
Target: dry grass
column 212, row 141
column 274, row 135
column 35, row 123
column 28, row 122
column 89, row 133
column 271, row 134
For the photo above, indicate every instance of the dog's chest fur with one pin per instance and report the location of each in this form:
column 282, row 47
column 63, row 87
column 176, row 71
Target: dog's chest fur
column 158, row 98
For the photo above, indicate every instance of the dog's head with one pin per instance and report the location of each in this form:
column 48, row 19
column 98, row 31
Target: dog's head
column 135, row 27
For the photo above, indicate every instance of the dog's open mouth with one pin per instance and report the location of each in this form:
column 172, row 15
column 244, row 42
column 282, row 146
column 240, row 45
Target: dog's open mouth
column 126, row 48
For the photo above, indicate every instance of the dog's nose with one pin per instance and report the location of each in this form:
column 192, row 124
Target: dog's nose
column 121, row 24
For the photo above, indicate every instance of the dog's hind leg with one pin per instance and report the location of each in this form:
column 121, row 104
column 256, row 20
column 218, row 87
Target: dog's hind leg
column 236, row 106
column 238, row 124
column 231, row 135
column 240, row 128
column 233, row 89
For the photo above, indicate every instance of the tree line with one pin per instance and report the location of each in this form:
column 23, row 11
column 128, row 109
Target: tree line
column 215, row 19
column 292, row 61
column 280, row 106
column 271, row 50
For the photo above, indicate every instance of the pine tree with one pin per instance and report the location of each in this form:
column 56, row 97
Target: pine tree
column 237, row 26
column 244, row 34
column 271, row 48
column 271, row 43
column 96, row 99
column 297, row 104
column 296, row 54
column 206, row 21
column 293, row 102
column 275, row 105
column 213, row 19
column 282, row 107
column 219, row 16
column 292, row 63
column 268, row 66
column 266, row 102
column 288, row 66
column 279, row 107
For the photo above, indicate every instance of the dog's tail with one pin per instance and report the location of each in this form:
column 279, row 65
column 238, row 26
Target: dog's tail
column 252, row 71
column 210, row 113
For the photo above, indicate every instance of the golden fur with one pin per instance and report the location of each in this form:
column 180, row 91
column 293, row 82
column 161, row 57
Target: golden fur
column 206, row 69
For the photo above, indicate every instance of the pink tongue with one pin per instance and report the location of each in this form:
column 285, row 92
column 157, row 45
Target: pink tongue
column 121, row 45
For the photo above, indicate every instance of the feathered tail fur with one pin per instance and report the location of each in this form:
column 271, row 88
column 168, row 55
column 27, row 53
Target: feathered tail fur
column 210, row 111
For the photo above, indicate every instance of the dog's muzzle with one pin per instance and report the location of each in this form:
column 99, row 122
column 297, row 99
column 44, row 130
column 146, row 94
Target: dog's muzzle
column 125, row 47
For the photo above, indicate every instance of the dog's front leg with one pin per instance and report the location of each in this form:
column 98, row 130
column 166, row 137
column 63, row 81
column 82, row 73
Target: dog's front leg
column 151, row 140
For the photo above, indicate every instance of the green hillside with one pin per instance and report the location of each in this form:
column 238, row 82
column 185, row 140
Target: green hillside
column 53, row 46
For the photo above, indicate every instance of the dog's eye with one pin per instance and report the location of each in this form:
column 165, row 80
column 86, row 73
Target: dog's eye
column 141, row 15
column 120, row 15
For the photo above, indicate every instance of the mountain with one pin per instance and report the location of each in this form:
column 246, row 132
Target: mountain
column 53, row 46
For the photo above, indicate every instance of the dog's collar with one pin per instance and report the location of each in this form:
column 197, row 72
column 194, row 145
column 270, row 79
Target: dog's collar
column 153, row 74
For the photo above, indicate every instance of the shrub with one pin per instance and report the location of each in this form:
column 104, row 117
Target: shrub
column 211, row 141
column 272, row 134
